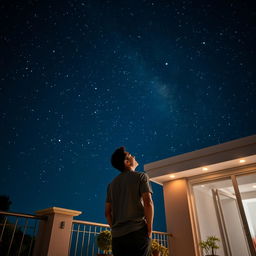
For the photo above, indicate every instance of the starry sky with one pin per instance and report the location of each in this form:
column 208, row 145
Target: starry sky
column 81, row 78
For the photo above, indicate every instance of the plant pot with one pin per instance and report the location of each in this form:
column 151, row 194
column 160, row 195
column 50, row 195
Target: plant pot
column 156, row 253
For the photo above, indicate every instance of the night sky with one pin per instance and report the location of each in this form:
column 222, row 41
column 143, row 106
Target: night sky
column 81, row 78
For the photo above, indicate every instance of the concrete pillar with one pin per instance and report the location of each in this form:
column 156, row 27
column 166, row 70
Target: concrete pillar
column 178, row 219
column 54, row 233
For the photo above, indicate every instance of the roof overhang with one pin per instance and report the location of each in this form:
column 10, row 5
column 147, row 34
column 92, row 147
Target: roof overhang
column 214, row 158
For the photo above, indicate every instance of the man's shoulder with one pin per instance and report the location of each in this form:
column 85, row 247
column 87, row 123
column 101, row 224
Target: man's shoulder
column 123, row 176
column 140, row 175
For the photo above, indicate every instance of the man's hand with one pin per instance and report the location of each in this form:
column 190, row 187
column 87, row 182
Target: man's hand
column 148, row 211
column 150, row 233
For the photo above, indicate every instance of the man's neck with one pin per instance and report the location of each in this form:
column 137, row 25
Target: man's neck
column 130, row 169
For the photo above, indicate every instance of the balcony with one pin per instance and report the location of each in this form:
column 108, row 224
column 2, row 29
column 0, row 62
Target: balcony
column 54, row 231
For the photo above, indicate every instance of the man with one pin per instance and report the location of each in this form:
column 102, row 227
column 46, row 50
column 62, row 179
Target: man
column 129, row 207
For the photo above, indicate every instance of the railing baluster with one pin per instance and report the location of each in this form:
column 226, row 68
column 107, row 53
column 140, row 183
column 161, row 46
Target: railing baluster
column 83, row 241
column 9, row 249
column 3, row 228
column 98, row 251
column 77, row 236
column 33, row 238
column 24, row 231
column 94, row 233
column 88, row 244
column 165, row 240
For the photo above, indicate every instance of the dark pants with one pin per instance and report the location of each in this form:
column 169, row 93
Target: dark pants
column 136, row 243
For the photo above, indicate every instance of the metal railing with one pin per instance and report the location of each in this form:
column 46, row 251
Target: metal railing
column 84, row 233
column 17, row 233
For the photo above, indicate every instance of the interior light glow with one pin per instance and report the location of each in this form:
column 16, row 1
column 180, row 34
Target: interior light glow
column 241, row 161
column 254, row 186
column 205, row 169
column 172, row 176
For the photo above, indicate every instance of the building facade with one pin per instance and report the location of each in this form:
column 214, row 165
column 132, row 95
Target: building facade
column 210, row 192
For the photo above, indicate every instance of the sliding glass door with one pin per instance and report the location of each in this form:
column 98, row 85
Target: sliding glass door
column 230, row 222
column 247, row 189
column 226, row 208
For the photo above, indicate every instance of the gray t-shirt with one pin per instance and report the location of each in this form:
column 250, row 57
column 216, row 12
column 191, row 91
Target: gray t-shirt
column 125, row 195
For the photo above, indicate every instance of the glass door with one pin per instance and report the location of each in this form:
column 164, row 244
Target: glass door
column 230, row 222
column 218, row 213
column 247, row 190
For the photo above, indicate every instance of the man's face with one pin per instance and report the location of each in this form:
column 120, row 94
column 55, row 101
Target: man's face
column 130, row 161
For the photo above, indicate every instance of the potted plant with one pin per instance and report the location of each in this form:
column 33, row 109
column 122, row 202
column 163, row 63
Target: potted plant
column 164, row 251
column 210, row 245
column 155, row 248
column 104, row 241
column 158, row 249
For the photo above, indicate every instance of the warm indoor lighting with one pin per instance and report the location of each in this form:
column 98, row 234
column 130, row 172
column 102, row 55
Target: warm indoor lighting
column 254, row 186
column 205, row 169
column 242, row 161
column 172, row 176
column 202, row 186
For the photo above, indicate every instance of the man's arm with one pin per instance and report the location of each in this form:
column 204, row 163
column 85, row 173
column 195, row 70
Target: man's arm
column 108, row 214
column 148, row 211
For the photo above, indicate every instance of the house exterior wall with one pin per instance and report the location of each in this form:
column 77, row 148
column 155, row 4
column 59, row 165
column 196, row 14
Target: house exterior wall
column 178, row 217
column 236, row 157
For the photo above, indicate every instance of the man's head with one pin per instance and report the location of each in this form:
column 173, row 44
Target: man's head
column 123, row 160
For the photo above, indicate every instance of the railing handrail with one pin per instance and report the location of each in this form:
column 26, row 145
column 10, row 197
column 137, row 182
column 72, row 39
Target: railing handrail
column 161, row 233
column 91, row 223
column 107, row 226
column 23, row 215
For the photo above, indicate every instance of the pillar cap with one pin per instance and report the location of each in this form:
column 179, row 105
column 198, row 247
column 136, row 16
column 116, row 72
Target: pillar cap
column 57, row 210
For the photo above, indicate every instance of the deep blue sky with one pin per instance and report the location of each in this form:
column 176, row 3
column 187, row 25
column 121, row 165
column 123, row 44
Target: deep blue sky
column 80, row 78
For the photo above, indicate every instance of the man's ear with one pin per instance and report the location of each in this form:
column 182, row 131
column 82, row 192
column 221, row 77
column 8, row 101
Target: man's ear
column 126, row 162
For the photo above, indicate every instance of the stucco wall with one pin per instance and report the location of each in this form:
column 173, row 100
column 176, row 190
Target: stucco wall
column 178, row 218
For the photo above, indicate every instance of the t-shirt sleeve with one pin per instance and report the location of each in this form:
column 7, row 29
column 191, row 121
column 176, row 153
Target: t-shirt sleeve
column 108, row 198
column 145, row 185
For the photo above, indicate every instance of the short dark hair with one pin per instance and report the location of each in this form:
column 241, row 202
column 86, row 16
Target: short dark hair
column 117, row 159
